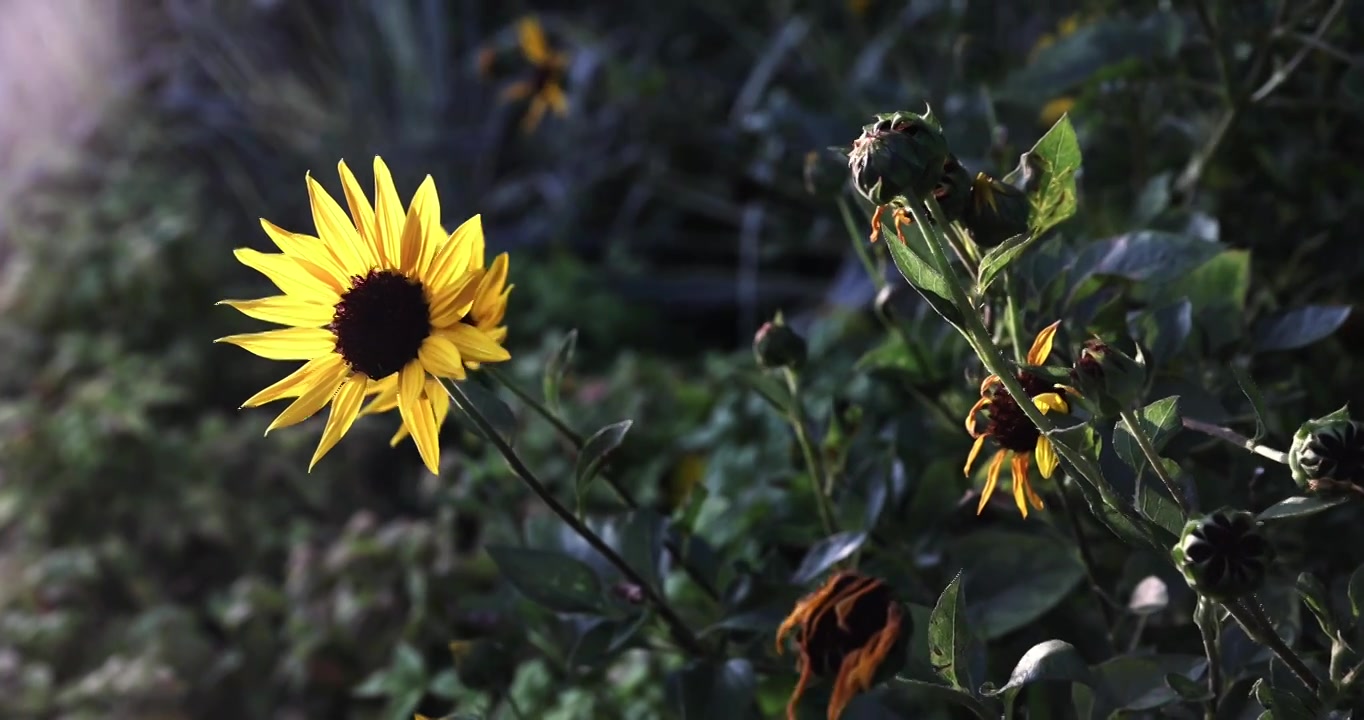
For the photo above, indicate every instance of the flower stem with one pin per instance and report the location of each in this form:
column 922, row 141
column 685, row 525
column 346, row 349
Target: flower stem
column 1252, row 618
column 626, row 497
column 1157, row 462
column 680, row 631
column 860, row 244
column 1087, row 558
column 979, row 338
column 814, row 466
column 1236, row 439
column 1205, row 616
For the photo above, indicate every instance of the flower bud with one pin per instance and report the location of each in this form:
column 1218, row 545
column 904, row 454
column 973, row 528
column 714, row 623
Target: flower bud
column 1108, row 380
column 900, row 156
column 1223, row 555
column 776, row 345
column 825, row 172
column 953, row 190
column 1328, row 453
column 997, row 211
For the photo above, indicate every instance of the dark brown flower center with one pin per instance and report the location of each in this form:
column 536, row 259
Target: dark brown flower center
column 826, row 642
column 1009, row 426
column 380, row 323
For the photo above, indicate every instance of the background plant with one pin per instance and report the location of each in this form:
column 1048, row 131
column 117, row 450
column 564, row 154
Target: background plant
column 160, row 559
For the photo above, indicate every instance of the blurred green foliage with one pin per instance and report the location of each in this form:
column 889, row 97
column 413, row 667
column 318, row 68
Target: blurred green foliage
column 160, row 559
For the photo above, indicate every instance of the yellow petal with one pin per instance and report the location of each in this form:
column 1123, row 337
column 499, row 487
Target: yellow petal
column 361, row 212
column 474, row 344
column 1049, row 402
column 337, row 231
column 1046, row 456
column 323, row 387
column 452, row 302
column 476, row 248
column 490, row 286
column 440, row 400
column 297, row 382
column 440, row 356
column 534, row 114
column 344, row 408
column 309, row 252
column 556, row 99
column 285, row 310
column 971, row 456
column 1041, row 345
column 285, row 344
column 452, row 260
column 388, row 215
column 532, row 38
column 423, row 218
column 991, row 479
column 387, row 398
column 1019, row 472
column 519, row 90
column 292, row 277
column 418, row 416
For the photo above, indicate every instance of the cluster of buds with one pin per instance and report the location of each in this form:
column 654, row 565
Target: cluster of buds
column 904, row 157
column 1328, row 454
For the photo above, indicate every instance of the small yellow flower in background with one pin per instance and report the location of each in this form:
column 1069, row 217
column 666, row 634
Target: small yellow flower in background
column 1054, row 109
column 488, row 309
column 1013, row 432
column 545, row 87
column 859, row 8
column 377, row 297
column 847, row 629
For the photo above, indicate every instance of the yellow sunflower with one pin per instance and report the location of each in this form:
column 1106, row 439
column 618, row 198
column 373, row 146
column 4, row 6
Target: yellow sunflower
column 545, row 87
column 379, row 296
column 485, row 313
column 1013, row 432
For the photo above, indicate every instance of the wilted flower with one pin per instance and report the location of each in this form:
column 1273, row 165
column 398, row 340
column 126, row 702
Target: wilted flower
column 847, row 629
column 1222, row 555
column 898, row 158
column 997, row 211
column 776, row 345
column 1013, row 432
column 1328, row 453
column 378, row 296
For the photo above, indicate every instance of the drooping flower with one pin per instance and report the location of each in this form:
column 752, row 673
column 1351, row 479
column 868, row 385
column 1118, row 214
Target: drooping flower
column 846, row 629
column 545, row 87
column 1017, row 437
column 379, row 296
column 486, row 313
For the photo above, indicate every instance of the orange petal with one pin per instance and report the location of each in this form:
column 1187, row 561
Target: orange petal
column 971, row 415
column 1041, row 346
column 971, row 456
column 991, row 479
column 1019, row 471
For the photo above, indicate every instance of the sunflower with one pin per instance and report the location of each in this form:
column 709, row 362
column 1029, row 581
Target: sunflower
column 545, row 87
column 485, row 313
column 377, row 297
column 1013, row 432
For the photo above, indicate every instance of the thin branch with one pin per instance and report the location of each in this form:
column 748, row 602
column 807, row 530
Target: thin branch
column 1236, row 439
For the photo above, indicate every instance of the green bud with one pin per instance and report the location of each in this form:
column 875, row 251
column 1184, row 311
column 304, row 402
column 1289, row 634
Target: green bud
column 997, row 211
column 1328, row 453
column 900, row 156
column 826, row 172
column 1222, row 555
column 776, row 345
column 953, row 191
column 1108, row 380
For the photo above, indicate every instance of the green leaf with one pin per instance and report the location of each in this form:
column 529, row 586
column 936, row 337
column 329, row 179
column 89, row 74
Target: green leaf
column 1047, row 174
column 1257, row 400
column 1159, row 421
column 1011, row 579
column 595, row 450
column 1138, row 683
column 825, row 554
column 1166, row 330
column 1300, row 507
column 776, row 394
column 491, row 407
column 557, row 366
column 601, row 638
column 553, row 580
column 1146, row 256
column 641, row 542
column 892, row 354
column 1188, row 690
column 943, row 693
column 1132, row 530
column 1050, row 660
column 925, row 279
column 1074, row 59
column 709, row 690
column 998, row 258
column 1299, row 327
column 952, row 647
column 1155, row 506
column 1314, row 596
column 1357, row 592
column 1217, row 291
column 445, row 685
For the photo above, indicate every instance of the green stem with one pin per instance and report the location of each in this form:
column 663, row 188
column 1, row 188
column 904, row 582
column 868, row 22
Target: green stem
column 626, row 497
column 1134, row 427
column 1013, row 319
column 1236, row 439
column 860, row 245
column 680, row 631
column 979, row 338
column 814, row 466
column 1206, row 618
column 1252, row 618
